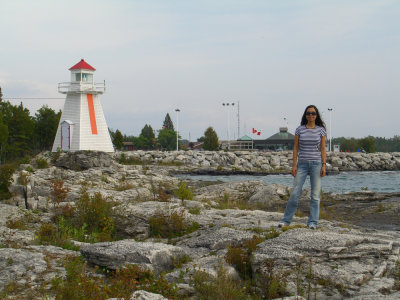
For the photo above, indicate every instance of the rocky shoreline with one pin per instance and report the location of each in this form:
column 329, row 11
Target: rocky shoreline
column 258, row 163
column 354, row 254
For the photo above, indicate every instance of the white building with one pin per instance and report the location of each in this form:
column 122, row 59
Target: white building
column 82, row 124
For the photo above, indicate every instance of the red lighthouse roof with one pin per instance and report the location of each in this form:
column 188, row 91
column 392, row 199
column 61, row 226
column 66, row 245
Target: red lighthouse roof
column 82, row 65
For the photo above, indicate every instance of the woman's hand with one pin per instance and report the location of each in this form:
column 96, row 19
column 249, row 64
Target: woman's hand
column 323, row 171
column 294, row 170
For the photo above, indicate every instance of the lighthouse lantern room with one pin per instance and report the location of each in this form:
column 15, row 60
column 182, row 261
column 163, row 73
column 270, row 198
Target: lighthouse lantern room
column 82, row 125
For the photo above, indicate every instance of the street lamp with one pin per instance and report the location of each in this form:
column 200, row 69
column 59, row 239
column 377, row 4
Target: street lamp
column 227, row 104
column 177, row 129
column 330, row 129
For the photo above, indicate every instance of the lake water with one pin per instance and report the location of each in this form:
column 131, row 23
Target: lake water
column 382, row 181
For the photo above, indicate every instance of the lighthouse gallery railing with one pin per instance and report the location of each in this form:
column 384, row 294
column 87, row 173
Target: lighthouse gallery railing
column 81, row 87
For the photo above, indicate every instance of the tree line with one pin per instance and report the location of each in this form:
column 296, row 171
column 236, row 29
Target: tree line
column 23, row 135
column 369, row 144
column 166, row 138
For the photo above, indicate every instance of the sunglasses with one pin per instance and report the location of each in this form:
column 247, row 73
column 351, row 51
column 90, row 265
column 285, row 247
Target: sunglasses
column 312, row 113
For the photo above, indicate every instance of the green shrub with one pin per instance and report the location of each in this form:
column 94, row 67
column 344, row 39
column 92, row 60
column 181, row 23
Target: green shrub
column 397, row 276
column 55, row 155
column 25, row 160
column 42, row 163
column 22, row 178
column 171, row 225
column 195, row 210
column 58, row 191
column 47, row 234
column 239, row 256
column 6, row 172
column 78, row 285
column 95, row 212
column 221, row 286
column 273, row 282
column 17, row 224
column 183, row 192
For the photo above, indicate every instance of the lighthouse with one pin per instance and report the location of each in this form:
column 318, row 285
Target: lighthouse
column 82, row 125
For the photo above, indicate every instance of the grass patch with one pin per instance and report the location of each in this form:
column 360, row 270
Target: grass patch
column 123, row 160
column 225, row 202
column 195, row 210
column 173, row 163
column 124, row 186
column 397, row 276
column 290, row 227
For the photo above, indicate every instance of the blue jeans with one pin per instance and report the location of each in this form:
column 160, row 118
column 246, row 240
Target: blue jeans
column 312, row 168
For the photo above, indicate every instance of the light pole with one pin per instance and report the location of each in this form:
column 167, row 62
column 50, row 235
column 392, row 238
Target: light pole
column 330, row 129
column 227, row 104
column 177, row 129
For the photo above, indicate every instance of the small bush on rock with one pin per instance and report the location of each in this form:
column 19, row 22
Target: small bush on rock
column 273, row 282
column 240, row 256
column 42, row 163
column 397, row 276
column 183, row 192
column 219, row 287
column 171, row 225
column 77, row 284
column 96, row 213
column 58, row 191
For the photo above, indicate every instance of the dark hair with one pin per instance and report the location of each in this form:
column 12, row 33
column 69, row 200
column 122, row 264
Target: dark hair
column 318, row 120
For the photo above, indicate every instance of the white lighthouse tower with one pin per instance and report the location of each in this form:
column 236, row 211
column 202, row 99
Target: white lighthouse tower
column 82, row 124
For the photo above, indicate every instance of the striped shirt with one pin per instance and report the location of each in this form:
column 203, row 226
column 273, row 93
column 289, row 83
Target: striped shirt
column 310, row 142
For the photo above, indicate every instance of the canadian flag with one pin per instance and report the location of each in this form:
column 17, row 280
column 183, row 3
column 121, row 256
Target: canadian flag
column 255, row 131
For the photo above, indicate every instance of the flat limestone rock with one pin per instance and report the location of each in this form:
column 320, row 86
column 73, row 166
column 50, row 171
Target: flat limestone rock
column 154, row 256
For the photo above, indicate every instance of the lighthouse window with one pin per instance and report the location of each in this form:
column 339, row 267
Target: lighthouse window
column 78, row 77
column 84, row 77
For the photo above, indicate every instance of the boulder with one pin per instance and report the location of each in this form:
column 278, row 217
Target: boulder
column 157, row 257
column 83, row 160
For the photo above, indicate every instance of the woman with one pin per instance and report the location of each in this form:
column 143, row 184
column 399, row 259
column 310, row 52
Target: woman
column 309, row 158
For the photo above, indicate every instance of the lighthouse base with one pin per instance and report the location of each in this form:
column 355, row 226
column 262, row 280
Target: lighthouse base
column 82, row 125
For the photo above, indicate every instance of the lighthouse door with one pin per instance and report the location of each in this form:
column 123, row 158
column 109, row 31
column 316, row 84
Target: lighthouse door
column 65, row 136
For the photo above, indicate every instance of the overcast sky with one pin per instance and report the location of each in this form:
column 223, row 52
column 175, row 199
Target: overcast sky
column 272, row 57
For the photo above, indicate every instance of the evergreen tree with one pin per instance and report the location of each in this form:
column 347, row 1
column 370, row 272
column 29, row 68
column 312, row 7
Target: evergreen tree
column 140, row 142
column 368, row 144
column 118, row 140
column 3, row 139
column 168, row 123
column 46, row 123
column 210, row 140
column 167, row 139
column 20, row 130
column 148, row 132
column 149, row 136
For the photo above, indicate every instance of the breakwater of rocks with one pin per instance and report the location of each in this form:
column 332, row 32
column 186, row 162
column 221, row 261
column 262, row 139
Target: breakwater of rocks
column 247, row 162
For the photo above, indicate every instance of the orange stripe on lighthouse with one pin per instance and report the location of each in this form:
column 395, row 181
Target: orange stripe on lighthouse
column 92, row 115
